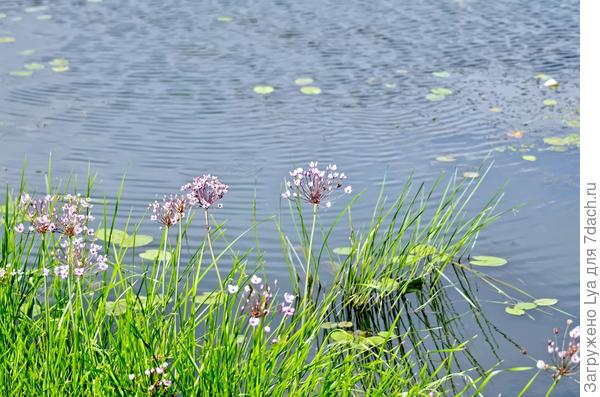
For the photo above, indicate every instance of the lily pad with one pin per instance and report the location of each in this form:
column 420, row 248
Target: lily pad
column 27, row 52
column 34, row 66
column 263, row 89
column 21, row 73
column 333, row 325
column 60, row 69
column 2, row 15
column 153, row 254
column 385, row 285
column 303, row 81
column 116, row 308
column 515, row 311
column 445, row 159
column 495, row 109
column 340, row 336
column 559, row 149
column 555, row 141
column 542, row 76
column 471, row 174
column 441, row 91
column 441, row 74
column 573, row 139
column 44, row 17
column 207, row 298
column 59, row 62
column 343, row 251
column 121, row 238
column 435, row 97
column 224, row 18
column 525, row 305
column 491, row 261
column 7, row 39
column 310, row 90
column 375, row 340
column 545, row 301
column 550, row 102
column 529, row 157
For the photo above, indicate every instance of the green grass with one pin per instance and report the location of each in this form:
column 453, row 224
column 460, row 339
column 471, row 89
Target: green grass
column 85, row 336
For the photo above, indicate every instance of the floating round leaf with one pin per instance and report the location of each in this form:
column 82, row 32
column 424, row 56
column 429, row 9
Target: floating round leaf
column 207, row 298
column 329, row 325
column 559, row 149
column 515, row 311
column 263, row 89
column 542, row 76
column 483, row 260
column 341, row 336
column 529, row 157
column 310, row 90
column 7, row 39
column 471, row 174
column 342, row 250
column 550, row 102
column 152, row 255
column 375, row 340
column 525, row 305
column 139, row 240
column 387, row 334
column 555, row 141
column 445, row 159
column 573, row 139
column 116, row 308
column 441, row 91
column 59, row 62
column 495, row 109
column 390, row 85
column 345, row 324
column 60, row 69
column 435, row 97
column 34, row 66
column 27, row 52
column 44, row 17
column 442, row 74
column 2, row 15
column 224, row 18
column 116, row 237
column 545, row 301
column 35, row 8
column 21, row 73
column 303, row 81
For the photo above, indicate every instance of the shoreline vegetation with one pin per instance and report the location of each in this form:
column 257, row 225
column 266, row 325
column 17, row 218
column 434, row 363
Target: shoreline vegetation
column 89, row 309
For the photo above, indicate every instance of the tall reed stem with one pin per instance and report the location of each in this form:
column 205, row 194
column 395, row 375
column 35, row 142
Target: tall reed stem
column 210, row 247
column 310, row 244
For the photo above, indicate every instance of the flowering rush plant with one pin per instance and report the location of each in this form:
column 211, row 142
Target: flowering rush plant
column 170, row 212
column 76, row 253
column 564, row 355
column 258, row 302
column 316, row 186
column 205, row 191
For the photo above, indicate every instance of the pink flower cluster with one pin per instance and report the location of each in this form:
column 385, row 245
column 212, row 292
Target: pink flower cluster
column 170, row 212
column 257, row 301
column 77, row 257
column 315, row 186
column 47, row 215
column 565, row 356
column 205, row 191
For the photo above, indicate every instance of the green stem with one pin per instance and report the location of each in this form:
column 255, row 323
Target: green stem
column 310, row 244
column 210, row 247
column 551, row 389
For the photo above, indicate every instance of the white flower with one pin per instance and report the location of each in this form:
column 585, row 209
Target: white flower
column 289, row 298
column 574, row 333
column 20, row 228
column 254, row 321
column 267, row 329
column 131, row 376
column 232, row 289
column 348, row 189
column 542, row 365
column 328, row 204
column 255, row 279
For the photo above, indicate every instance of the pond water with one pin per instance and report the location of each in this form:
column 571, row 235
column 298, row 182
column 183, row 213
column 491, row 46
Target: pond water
column 164, row 90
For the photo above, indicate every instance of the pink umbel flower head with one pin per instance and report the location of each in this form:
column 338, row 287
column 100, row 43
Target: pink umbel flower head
column 565, row 353
column 316, row 186
column 78, row 257
column 170, row 212
column 205, row 191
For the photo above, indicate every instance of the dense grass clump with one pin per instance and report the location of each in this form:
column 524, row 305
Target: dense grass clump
column 82, row 314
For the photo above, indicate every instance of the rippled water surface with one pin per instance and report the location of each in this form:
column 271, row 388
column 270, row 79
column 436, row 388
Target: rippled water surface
column 163, row 90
